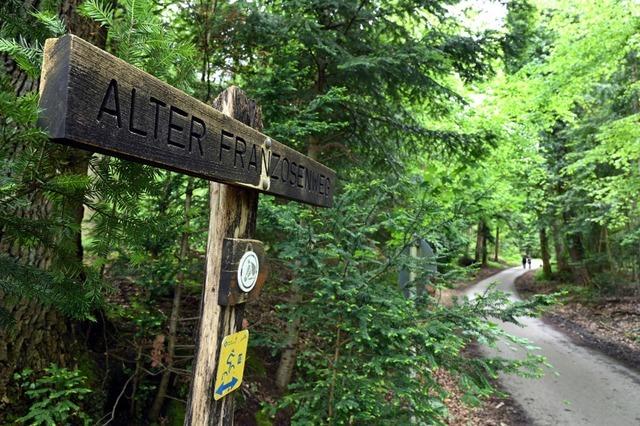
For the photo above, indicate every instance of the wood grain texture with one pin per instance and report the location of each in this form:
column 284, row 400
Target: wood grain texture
column 232, row 250
column 232, row 215
column 93, row 100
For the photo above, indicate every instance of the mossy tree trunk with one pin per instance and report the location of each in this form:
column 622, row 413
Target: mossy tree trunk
column 481, row 243
column 544, row 250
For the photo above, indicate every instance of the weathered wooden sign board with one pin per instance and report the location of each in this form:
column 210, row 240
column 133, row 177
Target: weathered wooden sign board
column 93, row 100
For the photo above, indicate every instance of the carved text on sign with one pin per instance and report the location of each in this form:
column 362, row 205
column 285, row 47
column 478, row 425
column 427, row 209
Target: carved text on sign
column 93, row 100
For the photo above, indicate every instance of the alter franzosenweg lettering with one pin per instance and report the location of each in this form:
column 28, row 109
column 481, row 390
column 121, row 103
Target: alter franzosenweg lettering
column 93, row 100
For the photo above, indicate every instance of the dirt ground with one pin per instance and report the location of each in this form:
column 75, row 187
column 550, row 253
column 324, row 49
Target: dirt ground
column 495, row 411
column 611, row 325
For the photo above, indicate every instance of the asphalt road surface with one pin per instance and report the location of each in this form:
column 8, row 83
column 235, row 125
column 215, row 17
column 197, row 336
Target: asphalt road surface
column 585, row 387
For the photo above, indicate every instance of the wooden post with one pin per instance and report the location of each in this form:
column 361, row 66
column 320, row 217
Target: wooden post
column 232, row 215
column 93, row 100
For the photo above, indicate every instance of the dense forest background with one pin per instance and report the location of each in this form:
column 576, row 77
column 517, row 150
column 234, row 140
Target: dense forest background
column 489, row 141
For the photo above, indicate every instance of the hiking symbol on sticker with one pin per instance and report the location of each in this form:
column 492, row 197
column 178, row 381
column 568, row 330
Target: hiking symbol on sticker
column 233, row 354
column 248, row 269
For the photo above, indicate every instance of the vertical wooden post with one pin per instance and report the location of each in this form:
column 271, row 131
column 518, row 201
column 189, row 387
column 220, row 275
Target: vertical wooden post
column 233, row 214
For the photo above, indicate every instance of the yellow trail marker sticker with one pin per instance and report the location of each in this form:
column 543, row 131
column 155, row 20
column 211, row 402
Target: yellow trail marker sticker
column 231, row 363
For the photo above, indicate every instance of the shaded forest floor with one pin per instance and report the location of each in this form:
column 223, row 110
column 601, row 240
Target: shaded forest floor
column 495, row 411
column 610, row 325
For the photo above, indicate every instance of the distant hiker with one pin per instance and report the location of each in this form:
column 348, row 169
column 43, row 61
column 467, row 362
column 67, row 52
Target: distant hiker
column 529, row 261
column 524, row 262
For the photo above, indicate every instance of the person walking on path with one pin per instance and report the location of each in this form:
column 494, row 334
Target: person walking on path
column 529, row 261
column 524, row 261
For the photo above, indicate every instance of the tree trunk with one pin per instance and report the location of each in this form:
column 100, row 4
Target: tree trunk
column 497, row 248
column 558, row 245
column 544, row 249
column 40, row 334
column 480, row 239
column 610, row 260
column 154, row 413
column 576, row 252
column 478, row 252
column 334, row 373
column 288, row 357
column 485, row 248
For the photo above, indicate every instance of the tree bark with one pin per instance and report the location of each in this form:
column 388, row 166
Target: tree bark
column 576, row 252
column 480, row 243
column 40, row 334
column 485, row 249
column 154, row 413
column 289, row 352
column 544, row 250
column 334, row 373
column 558, row 245
column 478, row 251
column 497, row 247
column 610, row 260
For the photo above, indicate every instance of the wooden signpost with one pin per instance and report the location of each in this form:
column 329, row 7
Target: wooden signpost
column 95, row 101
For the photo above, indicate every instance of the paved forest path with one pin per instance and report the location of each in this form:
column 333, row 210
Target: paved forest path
column 585, row 387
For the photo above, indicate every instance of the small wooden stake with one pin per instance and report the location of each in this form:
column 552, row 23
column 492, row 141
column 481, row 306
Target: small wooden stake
column 232, row 215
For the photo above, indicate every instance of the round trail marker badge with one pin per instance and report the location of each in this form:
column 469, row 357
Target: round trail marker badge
column 248, row 269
